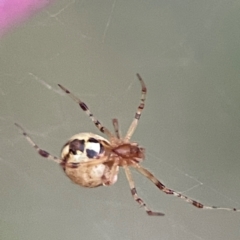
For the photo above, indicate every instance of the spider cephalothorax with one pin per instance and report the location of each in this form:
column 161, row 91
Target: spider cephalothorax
column 129, row 152
column 91, row 160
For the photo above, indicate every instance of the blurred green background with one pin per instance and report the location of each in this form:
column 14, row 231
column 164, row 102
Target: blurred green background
column 188, row 54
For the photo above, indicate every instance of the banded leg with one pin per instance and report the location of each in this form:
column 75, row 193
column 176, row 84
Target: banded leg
column 85, row 108
column 40, row 151
column 166, row 190
column 116, row 127
column 139, row 111
column 135, row 195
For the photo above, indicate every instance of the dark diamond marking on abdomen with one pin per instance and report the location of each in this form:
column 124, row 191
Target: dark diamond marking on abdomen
column 76, row 145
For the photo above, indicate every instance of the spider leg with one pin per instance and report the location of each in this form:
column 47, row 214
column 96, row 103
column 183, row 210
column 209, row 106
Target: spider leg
column 91, row 163
column 135, row 195
column 40, row 151
column 166, row 190
column 85, row 108
column 116, row 127
column 111, row 178
column 139, row 111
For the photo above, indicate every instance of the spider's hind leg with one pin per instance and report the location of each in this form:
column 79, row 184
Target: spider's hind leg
column 40, row 151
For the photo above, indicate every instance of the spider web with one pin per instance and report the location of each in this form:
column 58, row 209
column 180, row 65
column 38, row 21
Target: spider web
column 186, row 54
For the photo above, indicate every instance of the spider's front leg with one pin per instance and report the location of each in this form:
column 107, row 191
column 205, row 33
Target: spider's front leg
column 135, row 195
column 116, row 128
column 166, row 190
column 138, row 114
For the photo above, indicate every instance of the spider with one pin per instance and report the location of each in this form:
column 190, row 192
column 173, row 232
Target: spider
column 90, row 160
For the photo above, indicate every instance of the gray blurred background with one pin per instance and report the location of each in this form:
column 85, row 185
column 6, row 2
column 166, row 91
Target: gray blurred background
column 188, row 53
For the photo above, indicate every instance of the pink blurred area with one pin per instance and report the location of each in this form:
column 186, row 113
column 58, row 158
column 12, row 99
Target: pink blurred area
column 12, row 12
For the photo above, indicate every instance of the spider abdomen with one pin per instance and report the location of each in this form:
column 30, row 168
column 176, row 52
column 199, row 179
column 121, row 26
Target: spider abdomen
column 84, row 148
column 87, row 176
